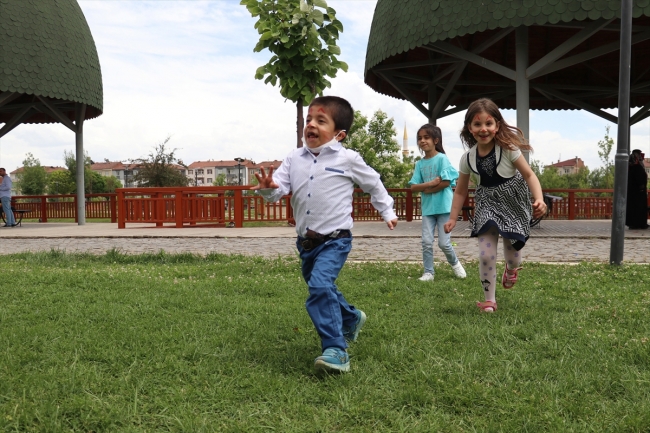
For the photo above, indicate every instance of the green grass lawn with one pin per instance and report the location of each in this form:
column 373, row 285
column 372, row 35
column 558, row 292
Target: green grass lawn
column 182, row 343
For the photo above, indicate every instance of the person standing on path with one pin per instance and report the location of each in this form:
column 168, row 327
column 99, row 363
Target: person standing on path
column 502, row 199
column 636, row 213
column 5, row 197
column 322, row 175
column 433, row 177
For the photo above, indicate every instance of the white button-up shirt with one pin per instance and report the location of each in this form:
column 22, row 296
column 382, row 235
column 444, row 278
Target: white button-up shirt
column 323, row 185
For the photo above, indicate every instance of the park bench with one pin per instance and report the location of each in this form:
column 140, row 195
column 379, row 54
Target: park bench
column 18, row 215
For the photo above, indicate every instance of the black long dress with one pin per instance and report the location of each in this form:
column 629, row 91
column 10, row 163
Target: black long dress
column 636, row 213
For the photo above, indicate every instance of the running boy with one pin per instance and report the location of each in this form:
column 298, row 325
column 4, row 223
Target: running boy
column 322, row 175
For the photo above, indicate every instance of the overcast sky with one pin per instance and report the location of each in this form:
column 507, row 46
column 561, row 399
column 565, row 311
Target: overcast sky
column 186, row 69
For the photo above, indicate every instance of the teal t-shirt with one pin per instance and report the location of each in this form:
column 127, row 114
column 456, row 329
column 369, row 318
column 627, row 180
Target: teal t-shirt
column 428, row 169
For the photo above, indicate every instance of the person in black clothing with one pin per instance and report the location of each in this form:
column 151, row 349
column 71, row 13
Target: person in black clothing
column 636, row 214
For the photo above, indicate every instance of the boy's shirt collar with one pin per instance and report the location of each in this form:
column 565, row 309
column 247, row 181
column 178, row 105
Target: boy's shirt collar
column 335, row 147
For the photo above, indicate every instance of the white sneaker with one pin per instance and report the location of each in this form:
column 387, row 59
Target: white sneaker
column 426, row 277
column 459, row 270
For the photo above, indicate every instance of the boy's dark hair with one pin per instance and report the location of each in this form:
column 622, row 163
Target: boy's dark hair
column 435, row 133
column 342, row 112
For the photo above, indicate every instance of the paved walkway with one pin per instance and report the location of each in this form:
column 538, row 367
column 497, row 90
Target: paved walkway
column 553, row 241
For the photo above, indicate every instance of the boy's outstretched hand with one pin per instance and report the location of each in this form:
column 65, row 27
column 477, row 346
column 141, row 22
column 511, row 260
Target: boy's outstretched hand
column 392, row 223
column 265, row 181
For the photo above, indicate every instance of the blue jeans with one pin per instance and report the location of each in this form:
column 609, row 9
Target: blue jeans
column 429, row 223
column 326, row 306
column 6, row 208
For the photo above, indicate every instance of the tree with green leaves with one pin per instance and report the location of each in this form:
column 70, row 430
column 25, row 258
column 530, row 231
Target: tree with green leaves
column 375, row 141
column 603, row 177
column 60, row 182
column 32, row 180
column 548, row 176
column 220, row 180
column 112, row 183
column 71, row 163
column 160, row 168
column 96, row 183
column 301, row 35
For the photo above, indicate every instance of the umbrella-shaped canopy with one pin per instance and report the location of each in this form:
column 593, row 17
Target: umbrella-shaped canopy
column 442, row 54
column 49, row 70
column 48, row 63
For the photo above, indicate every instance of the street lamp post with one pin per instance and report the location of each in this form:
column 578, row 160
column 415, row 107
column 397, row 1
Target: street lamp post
column 239, row 161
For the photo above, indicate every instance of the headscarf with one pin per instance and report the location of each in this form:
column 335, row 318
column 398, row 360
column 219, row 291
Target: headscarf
column 635, row 157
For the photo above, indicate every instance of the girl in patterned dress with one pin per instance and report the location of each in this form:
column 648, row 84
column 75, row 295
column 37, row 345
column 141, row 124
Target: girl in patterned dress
column 504, row 182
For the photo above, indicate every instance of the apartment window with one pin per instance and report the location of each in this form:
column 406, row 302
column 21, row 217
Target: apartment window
column 209, row 171
column 190, row 171
column 199, row 171
column 209, row 179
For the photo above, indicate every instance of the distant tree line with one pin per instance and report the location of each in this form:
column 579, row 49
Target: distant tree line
column 599, row 178
column 158, row 169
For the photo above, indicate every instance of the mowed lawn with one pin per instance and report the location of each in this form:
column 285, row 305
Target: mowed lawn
column 181, row 343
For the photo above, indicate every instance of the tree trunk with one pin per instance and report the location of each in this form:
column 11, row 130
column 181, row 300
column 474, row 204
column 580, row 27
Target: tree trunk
column 300, row 122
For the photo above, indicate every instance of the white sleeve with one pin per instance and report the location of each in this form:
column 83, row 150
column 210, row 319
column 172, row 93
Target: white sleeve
column 283, row 179
column 514, row 155
column 370, row 182
column 463, row 167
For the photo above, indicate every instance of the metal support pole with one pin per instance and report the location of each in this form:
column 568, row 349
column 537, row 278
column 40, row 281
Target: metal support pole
column 81, row 192
column 521, row 84
column 432, row 98
column 623, row 145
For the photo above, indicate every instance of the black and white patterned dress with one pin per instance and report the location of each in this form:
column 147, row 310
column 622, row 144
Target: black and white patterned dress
column 503, row 203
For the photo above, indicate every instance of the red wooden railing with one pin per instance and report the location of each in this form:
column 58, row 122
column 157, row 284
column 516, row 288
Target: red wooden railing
column 234, row 205
column 44, row 207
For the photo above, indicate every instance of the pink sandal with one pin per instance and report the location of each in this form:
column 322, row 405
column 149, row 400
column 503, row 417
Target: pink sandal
column 507, row 280
column 487, row 304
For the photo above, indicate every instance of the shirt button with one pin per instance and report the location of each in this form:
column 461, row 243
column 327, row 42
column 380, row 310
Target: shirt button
column 308, row 212
column 314, row 161
column 311, row 177
column 309, row 195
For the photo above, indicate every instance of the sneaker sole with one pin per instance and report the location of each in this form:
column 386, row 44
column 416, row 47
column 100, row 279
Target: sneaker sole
column 321, row 365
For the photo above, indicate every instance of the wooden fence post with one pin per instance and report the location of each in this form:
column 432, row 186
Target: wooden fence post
column 43, row 209
column 572, row 205
column 239, row 209
column 121, row 217
column 409, row 205
column 179, row 210
column 159, row 208
column 113, row 206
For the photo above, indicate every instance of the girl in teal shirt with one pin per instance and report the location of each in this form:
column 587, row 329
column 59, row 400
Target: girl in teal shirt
column 433, row 178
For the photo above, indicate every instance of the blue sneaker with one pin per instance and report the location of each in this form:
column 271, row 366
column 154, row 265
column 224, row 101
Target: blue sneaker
column 333, row 360
column 352, row 333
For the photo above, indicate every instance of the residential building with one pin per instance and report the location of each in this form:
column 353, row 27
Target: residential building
column 15, row 177
column 124, row 172
column 570, row 166
column 234, row 172
column 264, row 164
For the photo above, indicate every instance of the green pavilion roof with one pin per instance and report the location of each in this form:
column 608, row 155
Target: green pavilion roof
column 400, row 26
column 47, row 50
column 442, row 54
